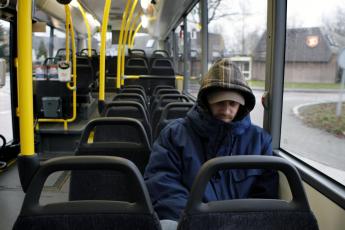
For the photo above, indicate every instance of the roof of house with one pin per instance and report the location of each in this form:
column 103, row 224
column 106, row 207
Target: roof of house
column 303, row 45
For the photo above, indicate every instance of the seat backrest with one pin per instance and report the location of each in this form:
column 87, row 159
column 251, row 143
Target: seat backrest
column 171, row 112
column 131, row 109
column 85, row 79
column 244, row 214
column 162, row 67
column 155, row 97
column 158, row 87
column 163, row 100
column 134, row 90
column 86, row 214
column 136, row 66
column 134, row 87
column 111, row 65
column 136, row 53
column 110, row 136
column 131, row 97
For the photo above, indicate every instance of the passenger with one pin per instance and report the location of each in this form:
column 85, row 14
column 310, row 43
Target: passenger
column 218, row 125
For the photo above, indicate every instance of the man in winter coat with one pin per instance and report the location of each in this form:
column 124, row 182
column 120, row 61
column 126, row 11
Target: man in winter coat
column 218, row 125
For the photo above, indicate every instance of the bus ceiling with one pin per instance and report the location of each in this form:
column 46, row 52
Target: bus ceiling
column 166, row 12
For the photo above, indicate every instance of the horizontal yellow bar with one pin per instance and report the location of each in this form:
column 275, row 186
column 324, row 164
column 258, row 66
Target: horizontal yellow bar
column 179, row 77
column 132, row 77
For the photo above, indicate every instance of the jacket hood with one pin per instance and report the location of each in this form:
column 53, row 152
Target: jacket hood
column 225, row 75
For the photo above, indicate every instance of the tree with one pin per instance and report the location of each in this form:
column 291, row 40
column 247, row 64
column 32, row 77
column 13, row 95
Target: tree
column 42, row 50
column 336, row 23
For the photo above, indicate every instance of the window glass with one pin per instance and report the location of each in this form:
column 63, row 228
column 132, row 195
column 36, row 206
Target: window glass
column 180, row 48
column 313, row 129
column 237, row 30
column 59, row 40
column 40, row 45
column 194, row 49
column 5, row 89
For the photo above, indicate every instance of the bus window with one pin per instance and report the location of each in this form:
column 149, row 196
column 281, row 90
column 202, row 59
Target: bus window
column 194, row 38
column 180, row 48
column 59, row 40
column 5, row 89
column 312, row 129
column 40, row 45
column 236, row 30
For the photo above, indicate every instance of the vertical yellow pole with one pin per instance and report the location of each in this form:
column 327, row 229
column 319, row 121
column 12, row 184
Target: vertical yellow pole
column 119, row 47
column 74, row 65
column 135, row 32
column 67, row 39
column 89, row 45
column 125, row 38
column 131, row 30
column 26, row 118
column 102, row 51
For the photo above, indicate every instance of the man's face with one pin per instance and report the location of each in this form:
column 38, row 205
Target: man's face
column 225, row 110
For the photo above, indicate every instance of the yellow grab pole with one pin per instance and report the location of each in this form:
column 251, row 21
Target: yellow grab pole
column 26, row 117
column 67, row 38
column 135, row 32
column 69, row 28
column 102, row 52
column 131, row 30
column 125, row 38
column 119, row 47
column 89, row 45
column 74, row 65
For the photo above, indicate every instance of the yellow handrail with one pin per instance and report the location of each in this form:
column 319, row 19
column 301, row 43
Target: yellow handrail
column 129, row 19
column 69, row 25
column 89, row 45
column 102, row 52
column 131, row 30
column 135, row 32
column 26, row 117
column 119, row 49
column 67, row 39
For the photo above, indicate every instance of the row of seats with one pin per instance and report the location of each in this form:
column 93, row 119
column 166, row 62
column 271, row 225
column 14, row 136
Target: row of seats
column 137, row 63
column 133, row 102
column 138, row 213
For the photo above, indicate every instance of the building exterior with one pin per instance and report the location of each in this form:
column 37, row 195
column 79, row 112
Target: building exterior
column 308, row 57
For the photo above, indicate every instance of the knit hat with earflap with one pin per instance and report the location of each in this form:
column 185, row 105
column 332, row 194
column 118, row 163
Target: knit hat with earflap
column 225, row 75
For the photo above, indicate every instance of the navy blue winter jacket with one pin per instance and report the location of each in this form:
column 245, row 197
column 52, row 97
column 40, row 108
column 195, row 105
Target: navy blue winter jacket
column 185, row 144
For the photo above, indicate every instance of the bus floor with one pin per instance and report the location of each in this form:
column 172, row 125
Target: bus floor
column 12, row 196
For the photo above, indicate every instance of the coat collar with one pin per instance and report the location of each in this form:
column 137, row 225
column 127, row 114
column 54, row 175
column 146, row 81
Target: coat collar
column 206, row 125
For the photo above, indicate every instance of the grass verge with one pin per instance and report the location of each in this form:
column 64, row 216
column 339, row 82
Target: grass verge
column 323, row 116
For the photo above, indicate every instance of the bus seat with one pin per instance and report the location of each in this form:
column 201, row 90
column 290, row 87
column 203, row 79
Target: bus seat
column 136, row 52
column 111, row 66
column 248, row 214
column 162, row 67
column 155, row 97
column 135, row 90
column 170, row 112
column 134, row 87
column 131, row 97
column 162, row 102
column 131, row 109
column 86, row 214
column 110, row 136
column 136, row 66
column 158, row 87
column 85, row 82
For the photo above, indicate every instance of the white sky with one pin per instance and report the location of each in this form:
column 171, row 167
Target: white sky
column 301, row 13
